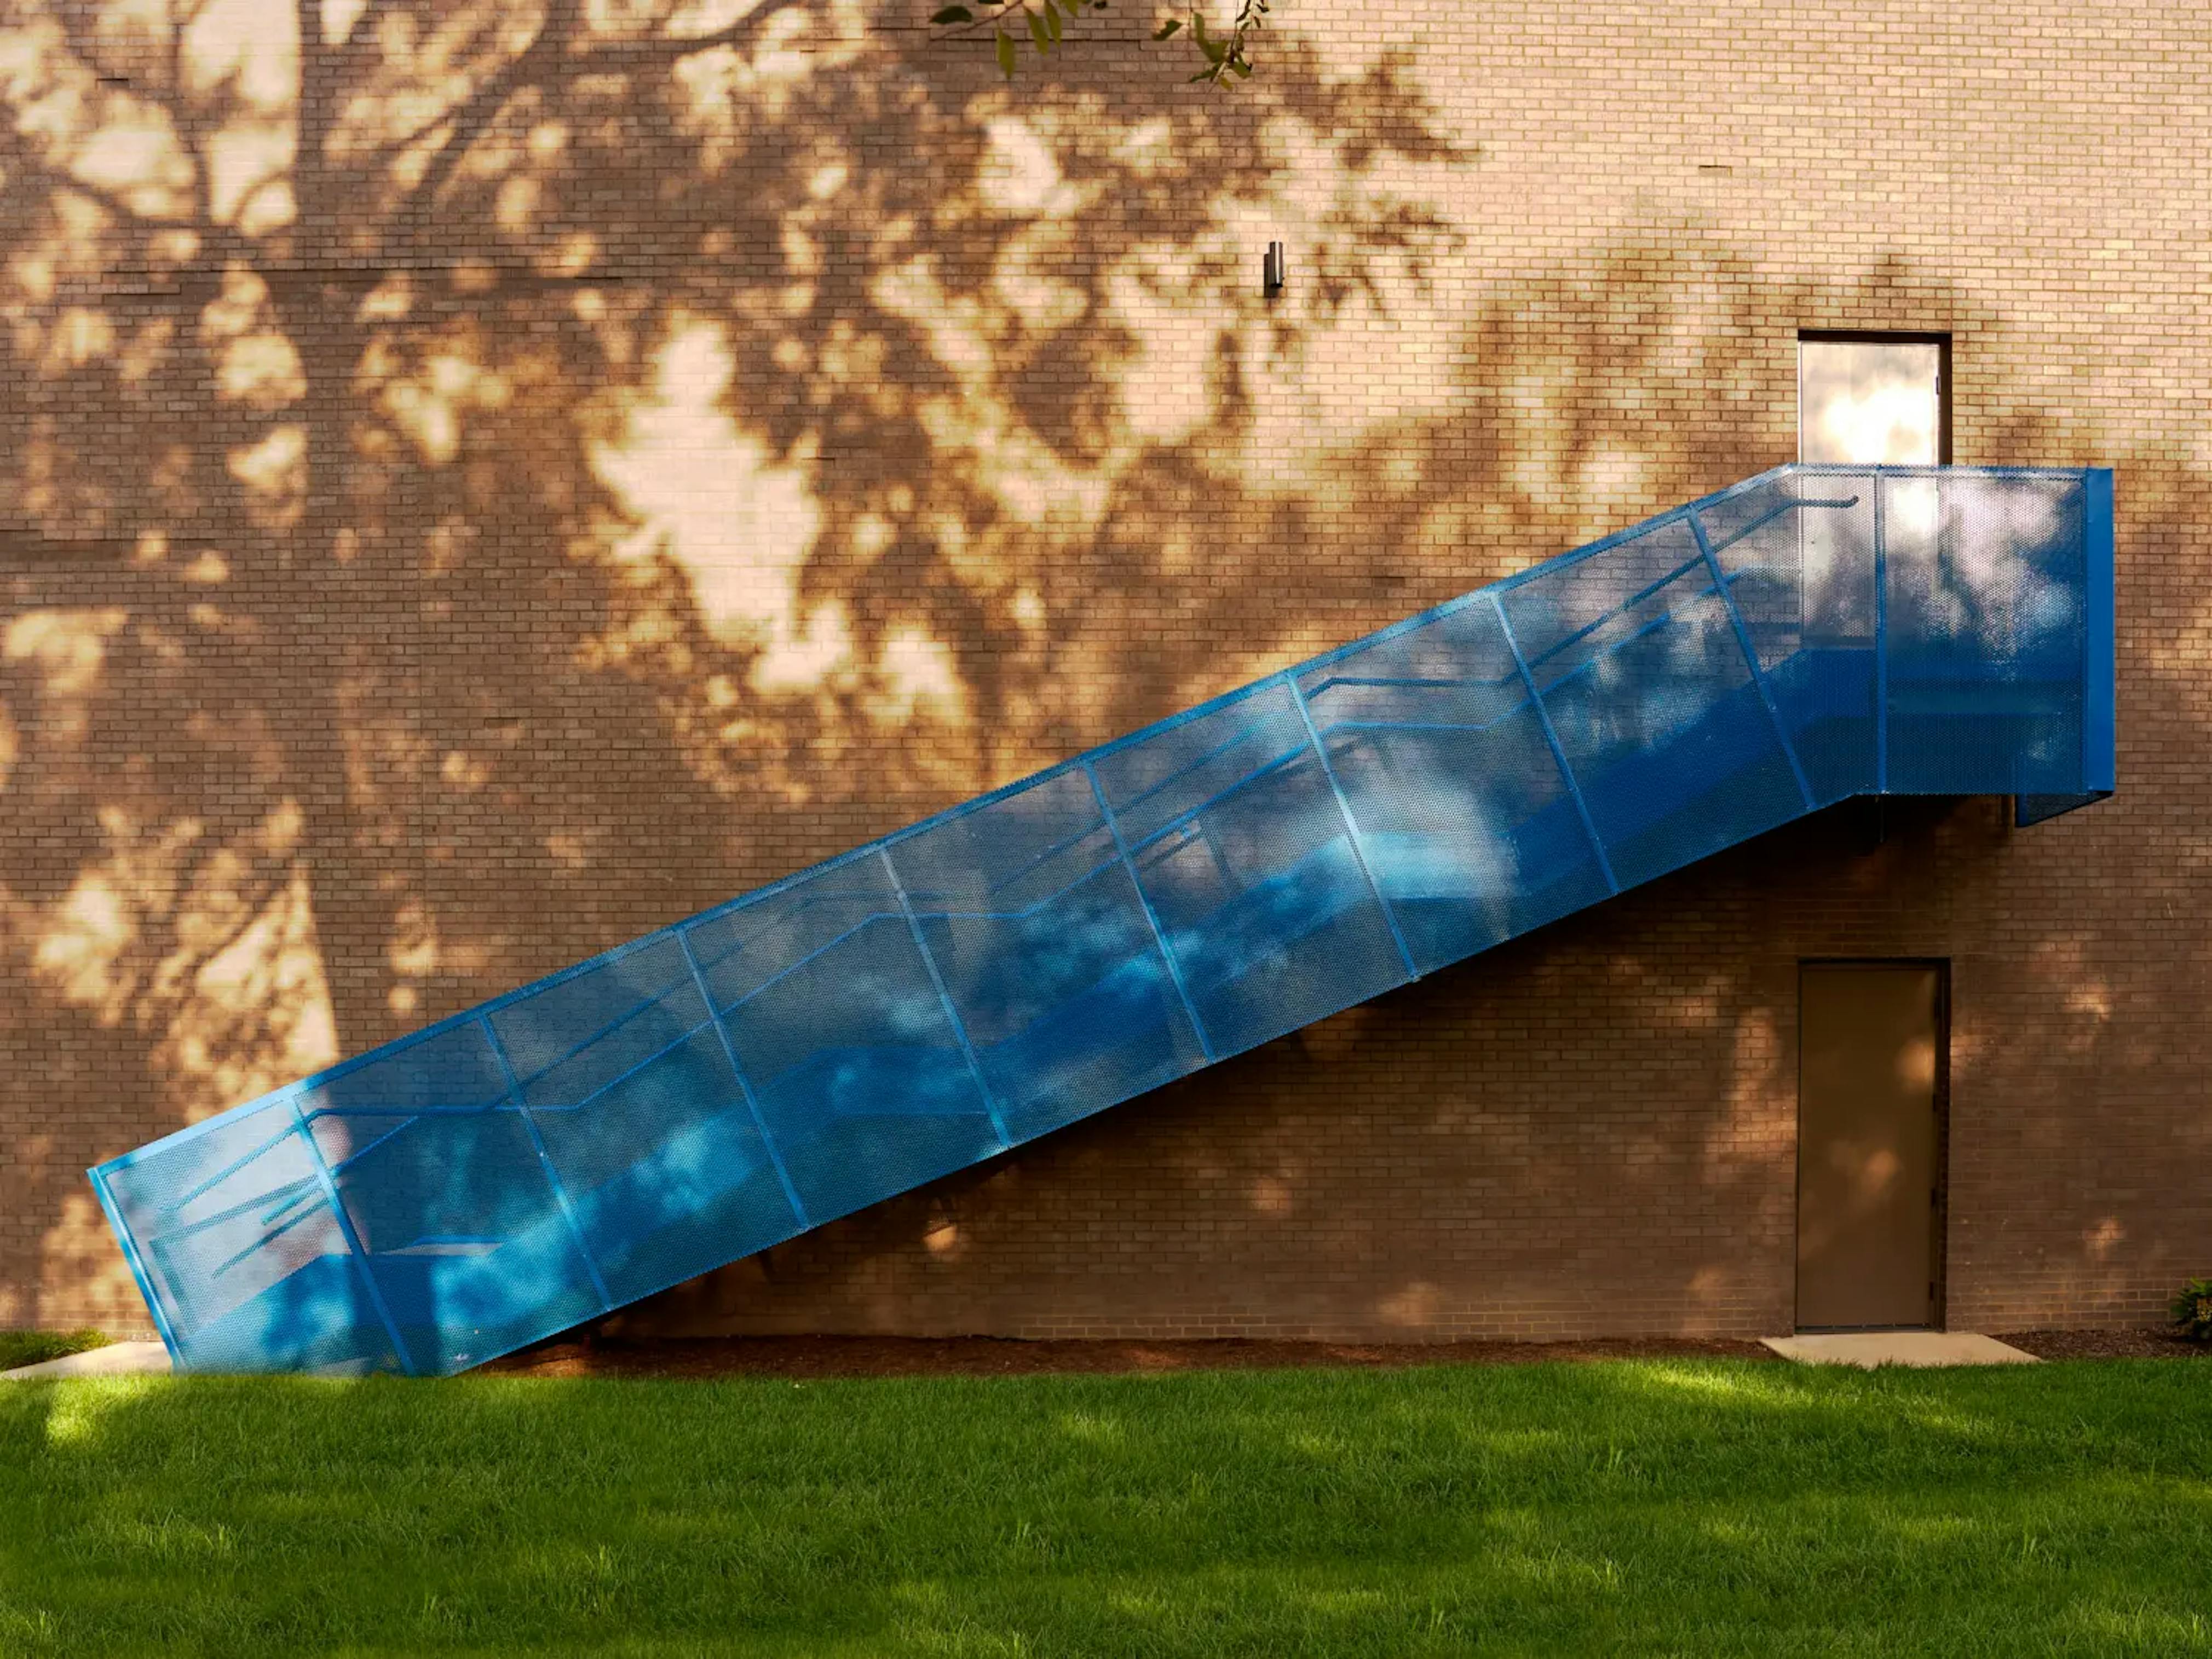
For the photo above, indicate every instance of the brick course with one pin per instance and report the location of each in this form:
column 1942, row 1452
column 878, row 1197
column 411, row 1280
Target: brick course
column 420, row 575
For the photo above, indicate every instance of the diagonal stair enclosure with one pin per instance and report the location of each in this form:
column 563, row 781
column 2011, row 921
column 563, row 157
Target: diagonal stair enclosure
column 1118, row 921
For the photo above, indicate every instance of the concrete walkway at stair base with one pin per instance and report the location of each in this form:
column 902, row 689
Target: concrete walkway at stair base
column 116, row 1359
column 1867, row 1349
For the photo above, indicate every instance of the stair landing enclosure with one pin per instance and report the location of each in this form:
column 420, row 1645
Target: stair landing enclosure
column 1177, row 897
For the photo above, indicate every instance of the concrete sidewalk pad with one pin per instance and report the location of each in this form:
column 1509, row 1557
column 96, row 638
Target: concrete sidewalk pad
column 1867, row 1349
column 116, row 1359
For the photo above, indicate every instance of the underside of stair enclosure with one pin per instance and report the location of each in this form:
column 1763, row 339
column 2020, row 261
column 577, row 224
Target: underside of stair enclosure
column 1177, row 897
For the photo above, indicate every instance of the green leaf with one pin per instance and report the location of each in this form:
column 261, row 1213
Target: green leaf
column 1052, row 21
column 1038, row 32
column 1006, row 54
column 1168, row 28
column 1244, row 70
column 953, row 15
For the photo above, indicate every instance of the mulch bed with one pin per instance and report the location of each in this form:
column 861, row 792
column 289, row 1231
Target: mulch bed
column 803, row 1356
column 2151, row 1342
column 988, row 1356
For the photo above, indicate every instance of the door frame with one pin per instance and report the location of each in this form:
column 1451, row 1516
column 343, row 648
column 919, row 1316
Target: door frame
column 1941, row 340
column 1939, row 1218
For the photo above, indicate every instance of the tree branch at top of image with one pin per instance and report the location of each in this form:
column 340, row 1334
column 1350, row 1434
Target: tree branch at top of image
column 1227, row 59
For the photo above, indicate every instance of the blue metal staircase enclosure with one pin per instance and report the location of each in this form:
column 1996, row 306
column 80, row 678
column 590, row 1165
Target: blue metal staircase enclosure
column 1118, row 921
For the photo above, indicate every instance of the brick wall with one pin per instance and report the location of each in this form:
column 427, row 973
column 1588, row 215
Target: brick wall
column 432, row 552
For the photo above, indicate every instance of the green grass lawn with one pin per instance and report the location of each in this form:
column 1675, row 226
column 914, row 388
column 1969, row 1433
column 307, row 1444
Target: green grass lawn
column 1694, row 1508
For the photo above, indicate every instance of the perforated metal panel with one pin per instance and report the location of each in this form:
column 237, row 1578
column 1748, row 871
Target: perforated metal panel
column 1184, row 894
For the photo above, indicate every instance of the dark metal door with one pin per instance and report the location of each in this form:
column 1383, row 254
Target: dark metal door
column 1870, row 1067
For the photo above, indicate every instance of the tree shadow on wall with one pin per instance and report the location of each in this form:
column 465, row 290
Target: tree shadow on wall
column 473, row 487
column 476, row 489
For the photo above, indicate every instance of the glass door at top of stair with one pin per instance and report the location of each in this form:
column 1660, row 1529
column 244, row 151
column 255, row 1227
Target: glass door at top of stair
column 1865, row 398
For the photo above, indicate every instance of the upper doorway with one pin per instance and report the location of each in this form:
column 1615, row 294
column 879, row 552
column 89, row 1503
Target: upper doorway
column 1873, row 399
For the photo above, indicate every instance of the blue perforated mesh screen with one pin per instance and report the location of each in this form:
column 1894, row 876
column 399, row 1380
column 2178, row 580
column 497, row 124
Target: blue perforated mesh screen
column 1182, row 895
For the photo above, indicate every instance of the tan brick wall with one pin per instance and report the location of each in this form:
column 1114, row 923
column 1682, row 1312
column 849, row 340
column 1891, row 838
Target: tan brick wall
column 424, row 563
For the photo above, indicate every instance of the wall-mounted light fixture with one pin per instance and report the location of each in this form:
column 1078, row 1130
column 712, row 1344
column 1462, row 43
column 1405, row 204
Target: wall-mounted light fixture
column 1272, row 275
